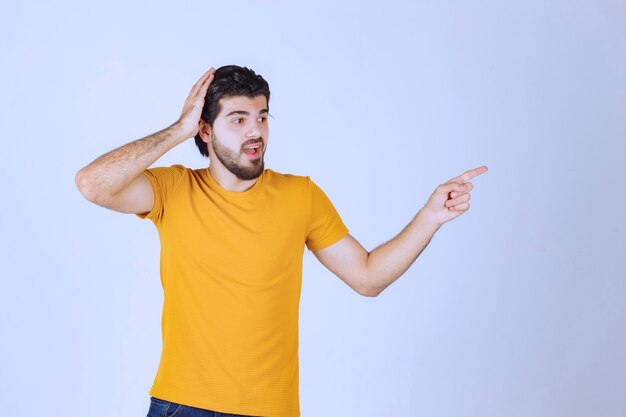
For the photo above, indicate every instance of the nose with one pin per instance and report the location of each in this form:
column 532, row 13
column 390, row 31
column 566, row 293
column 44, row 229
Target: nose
column 253, row 131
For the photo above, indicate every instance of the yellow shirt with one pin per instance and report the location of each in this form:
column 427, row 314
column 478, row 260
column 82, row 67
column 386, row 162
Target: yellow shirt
column 231, row 271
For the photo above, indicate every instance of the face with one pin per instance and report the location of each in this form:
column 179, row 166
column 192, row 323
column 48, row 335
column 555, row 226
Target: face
column 239, row 136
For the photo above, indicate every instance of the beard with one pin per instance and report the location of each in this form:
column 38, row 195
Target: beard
column 249, row 170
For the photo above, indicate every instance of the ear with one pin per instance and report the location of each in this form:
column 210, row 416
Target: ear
column 204, row 130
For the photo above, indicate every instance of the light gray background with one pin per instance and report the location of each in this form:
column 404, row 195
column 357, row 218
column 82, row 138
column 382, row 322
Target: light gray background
column 517, row 308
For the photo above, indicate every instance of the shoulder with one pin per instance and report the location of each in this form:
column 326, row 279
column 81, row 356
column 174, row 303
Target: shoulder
column 168, row 177
column 283, row 180
column 175, row 170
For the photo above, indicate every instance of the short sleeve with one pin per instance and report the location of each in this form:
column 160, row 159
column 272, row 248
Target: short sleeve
column 164, row 181
column 324, row 226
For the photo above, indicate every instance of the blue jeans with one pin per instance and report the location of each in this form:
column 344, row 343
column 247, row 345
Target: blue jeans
column 162, row 408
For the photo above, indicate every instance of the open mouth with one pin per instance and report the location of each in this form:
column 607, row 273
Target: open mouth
column 253, row 151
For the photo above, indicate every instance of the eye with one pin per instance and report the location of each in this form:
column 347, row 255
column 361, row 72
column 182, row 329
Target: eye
column 262, row 119
column 238, row 121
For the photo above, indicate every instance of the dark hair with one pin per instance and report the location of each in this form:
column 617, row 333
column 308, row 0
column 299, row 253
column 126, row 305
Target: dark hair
column 230, row 81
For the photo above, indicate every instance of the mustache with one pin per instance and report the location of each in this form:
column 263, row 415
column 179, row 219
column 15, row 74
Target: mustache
column 253, row 142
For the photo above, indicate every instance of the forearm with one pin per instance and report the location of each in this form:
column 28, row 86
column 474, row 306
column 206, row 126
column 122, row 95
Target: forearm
column 113, row 171
column 389, row 261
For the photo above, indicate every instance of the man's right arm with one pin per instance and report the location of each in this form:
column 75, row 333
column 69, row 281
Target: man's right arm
column 115, row 180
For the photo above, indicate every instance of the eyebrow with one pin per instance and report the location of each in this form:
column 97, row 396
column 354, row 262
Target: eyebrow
column 245, row 113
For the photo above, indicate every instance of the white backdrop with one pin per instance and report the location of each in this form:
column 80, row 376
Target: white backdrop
column 514, row 309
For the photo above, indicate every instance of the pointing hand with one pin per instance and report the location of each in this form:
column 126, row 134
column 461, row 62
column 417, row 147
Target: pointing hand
column 451, row 199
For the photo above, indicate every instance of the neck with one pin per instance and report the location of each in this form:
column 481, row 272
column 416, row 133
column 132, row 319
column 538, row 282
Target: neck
column 228, row 181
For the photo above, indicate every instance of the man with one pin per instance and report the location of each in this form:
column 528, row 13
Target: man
column 232, row 241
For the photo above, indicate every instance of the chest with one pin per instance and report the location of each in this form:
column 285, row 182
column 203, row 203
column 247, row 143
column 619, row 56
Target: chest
column 257, row 234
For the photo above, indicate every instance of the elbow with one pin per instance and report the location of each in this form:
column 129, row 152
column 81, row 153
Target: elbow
column 83, row 183
column 86, row 185
column 369, row 290
column 369, row 293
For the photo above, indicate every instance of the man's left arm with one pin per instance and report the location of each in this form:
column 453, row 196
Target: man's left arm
column 369, row 273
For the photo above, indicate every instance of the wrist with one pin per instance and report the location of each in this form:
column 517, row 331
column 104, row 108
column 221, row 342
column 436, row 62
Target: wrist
column 429, row 219
column 177, row 132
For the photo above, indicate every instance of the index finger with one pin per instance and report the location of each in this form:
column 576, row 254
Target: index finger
column 468, row 175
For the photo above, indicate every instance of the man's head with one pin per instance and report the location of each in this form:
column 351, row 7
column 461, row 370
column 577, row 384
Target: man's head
column 234, row 117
